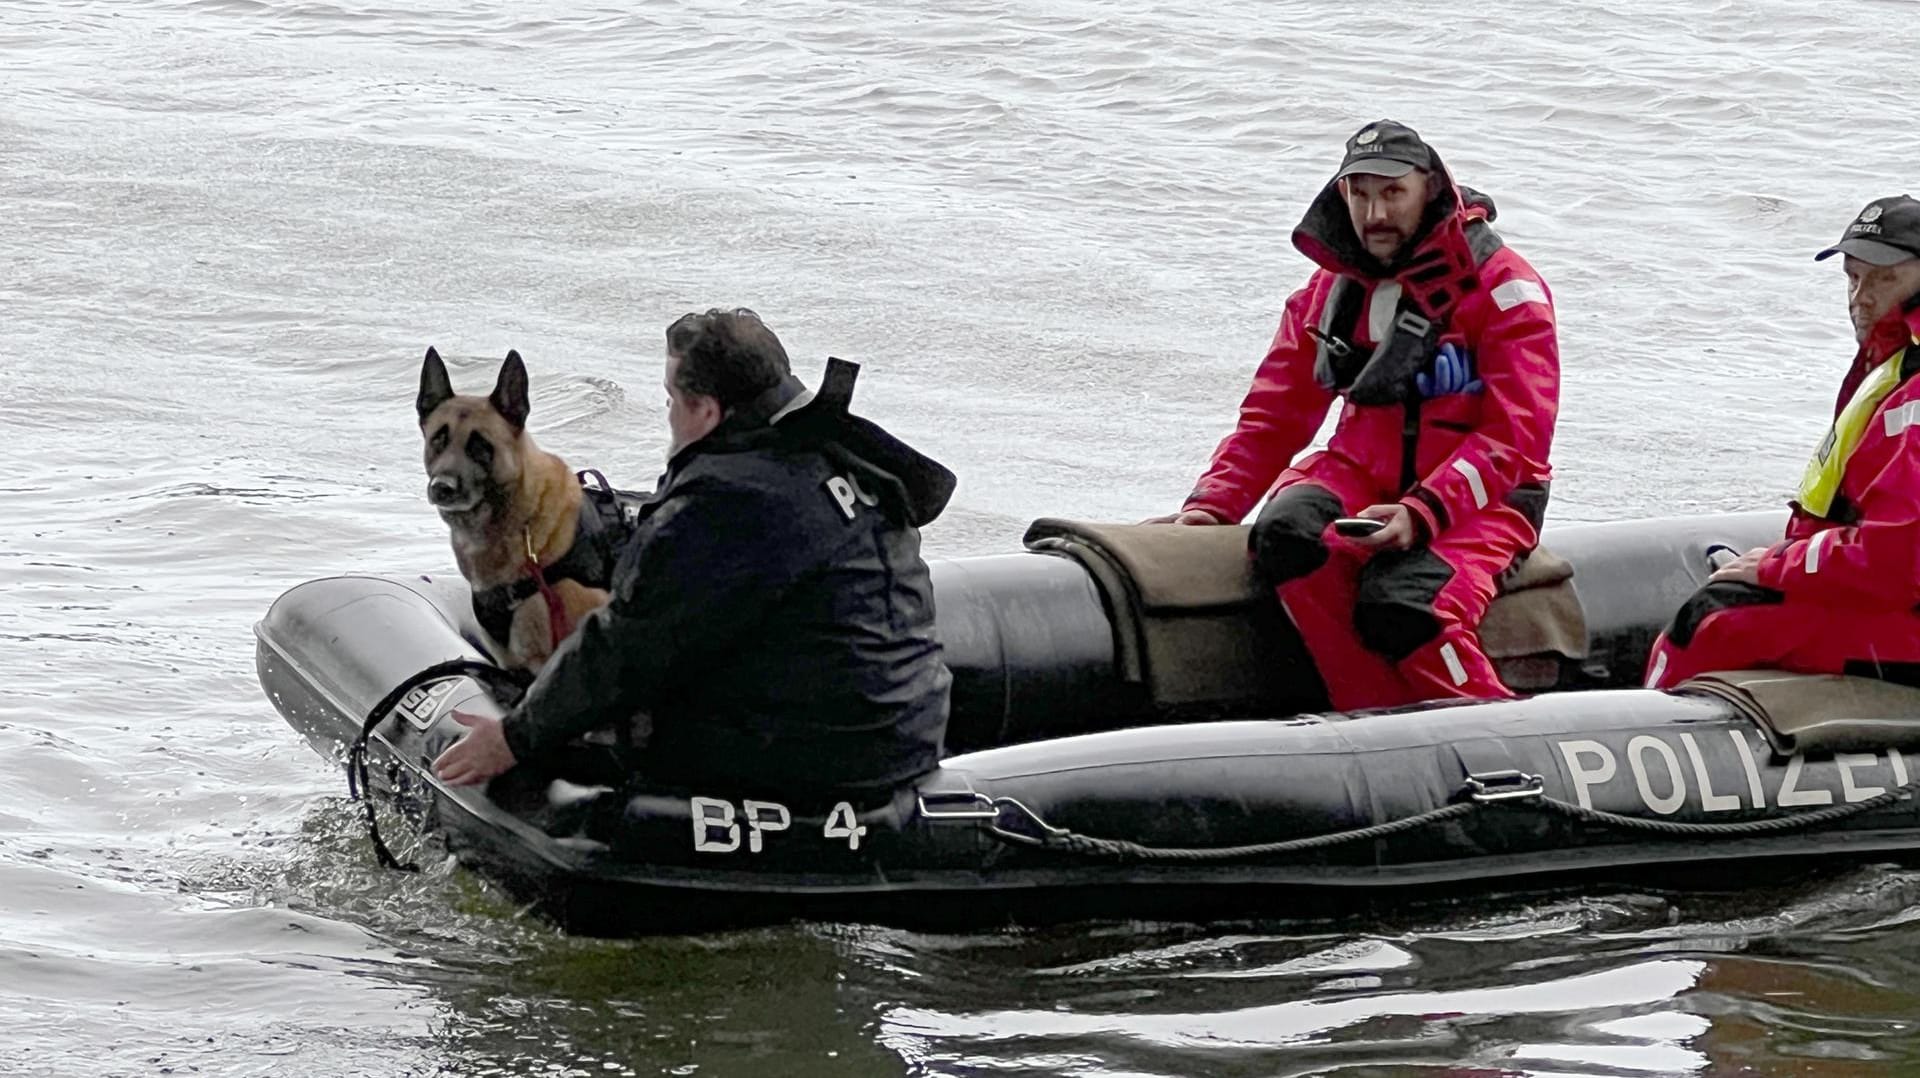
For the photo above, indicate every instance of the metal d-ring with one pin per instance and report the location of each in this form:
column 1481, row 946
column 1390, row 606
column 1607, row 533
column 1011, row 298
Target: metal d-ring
column 978, row 806
column 1505, row 786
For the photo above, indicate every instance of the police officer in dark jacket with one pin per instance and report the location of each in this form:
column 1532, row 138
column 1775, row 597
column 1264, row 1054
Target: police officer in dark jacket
column 772, row 614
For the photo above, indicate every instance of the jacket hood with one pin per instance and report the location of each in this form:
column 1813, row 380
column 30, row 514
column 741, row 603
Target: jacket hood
column 918, row 486
column 1897, row 329
column 1436, row 265
column 910, row 485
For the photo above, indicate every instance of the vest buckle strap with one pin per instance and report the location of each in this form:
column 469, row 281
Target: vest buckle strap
column 1387, row 376
column 1413, row 322
column 1336, row 347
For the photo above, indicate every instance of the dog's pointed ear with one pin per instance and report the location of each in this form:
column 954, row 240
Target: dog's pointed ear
column 510, row 392
column 435, row 388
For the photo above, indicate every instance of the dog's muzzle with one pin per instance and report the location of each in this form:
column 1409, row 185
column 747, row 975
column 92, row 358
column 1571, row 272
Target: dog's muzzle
column 445, row 493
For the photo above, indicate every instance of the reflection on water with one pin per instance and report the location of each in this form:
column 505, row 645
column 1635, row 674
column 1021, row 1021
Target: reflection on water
column 1629, row 983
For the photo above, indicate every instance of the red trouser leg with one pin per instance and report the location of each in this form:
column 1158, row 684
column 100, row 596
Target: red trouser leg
column 1320, row 605
column 1422, row 608
column 1316, row 572
column 1742, row 627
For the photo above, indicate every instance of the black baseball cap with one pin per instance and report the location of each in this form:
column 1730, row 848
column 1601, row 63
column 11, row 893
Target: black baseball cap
column 1385, row 148
column 1887, row 231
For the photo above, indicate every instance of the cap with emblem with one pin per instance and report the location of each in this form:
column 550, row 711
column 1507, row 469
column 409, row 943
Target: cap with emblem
column 1385, row 148
column 1886, row 232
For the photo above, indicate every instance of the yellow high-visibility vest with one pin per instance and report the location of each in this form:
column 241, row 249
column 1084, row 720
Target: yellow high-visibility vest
column 1821, row 481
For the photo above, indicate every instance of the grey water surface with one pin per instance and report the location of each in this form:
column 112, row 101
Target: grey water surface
column 1056, row 233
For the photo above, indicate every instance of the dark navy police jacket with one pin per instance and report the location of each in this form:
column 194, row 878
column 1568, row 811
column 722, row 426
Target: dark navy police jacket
column 772, row 615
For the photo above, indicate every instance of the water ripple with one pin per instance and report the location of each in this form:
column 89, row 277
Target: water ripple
column 1058, row 238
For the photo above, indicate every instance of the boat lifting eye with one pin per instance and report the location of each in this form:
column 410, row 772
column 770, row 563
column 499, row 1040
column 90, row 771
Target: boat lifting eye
column 1505, row 786
column 957, row 806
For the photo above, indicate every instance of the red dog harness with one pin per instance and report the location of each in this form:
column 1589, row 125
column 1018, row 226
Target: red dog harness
column 558, row 624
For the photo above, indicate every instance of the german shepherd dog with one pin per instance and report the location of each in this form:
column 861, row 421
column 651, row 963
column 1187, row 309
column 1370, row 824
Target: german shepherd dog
column 513, row 508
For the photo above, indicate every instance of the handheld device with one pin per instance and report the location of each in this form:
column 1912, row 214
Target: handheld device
column 1357, row 527
column 1720, row 555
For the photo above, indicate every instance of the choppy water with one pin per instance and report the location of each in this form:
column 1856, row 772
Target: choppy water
column 1056, row 233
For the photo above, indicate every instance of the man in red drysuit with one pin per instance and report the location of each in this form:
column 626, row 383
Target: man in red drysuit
column 1440, row 342
column 1839, row 593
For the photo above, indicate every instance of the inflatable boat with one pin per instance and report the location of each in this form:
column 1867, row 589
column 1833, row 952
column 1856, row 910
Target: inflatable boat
column 1136, row 731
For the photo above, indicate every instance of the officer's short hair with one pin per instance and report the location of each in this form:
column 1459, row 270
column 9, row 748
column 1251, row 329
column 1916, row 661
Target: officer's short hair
column 730, row 356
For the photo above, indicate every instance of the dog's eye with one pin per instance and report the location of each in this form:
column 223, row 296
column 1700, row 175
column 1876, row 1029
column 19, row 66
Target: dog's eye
column 438, row 443
column 479, row 450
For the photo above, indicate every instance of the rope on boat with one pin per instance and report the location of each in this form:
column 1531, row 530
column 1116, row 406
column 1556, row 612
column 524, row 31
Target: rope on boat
column 1121, row 849
column 1799, row 821
column 1016, row 824
column 506, row 687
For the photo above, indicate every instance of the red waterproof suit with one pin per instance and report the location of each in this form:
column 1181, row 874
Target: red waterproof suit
column 1471, row 466
column 1839, row 594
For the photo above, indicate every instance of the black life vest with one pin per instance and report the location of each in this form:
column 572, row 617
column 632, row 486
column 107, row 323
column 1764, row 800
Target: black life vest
column 1407, row 337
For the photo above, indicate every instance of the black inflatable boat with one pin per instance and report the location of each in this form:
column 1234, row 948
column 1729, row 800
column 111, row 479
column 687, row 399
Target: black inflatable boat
column 1137, row 734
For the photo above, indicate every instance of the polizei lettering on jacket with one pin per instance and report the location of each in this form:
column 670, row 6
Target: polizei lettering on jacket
column 1667, row 773
column 848, row 494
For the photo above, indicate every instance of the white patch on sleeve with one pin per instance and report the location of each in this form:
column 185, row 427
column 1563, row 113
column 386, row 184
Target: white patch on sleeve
column 1814, row 547
column 1517, row 291
column 1659, row 670
column 1899, row 419
column 1454, row 670
column 1474, row 481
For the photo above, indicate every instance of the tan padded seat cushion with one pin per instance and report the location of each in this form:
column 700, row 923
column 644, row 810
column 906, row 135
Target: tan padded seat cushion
column 1819, row 713
column 1182, row 588
column 1177, row 567
column 1171, row 566
column 1537, row 612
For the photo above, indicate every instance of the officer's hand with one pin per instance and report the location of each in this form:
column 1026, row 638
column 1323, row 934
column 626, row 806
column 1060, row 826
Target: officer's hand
column 1186, row 516
column 1452, row 373
column 481, row 754
column 1397, row 535
column 1744, row 569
